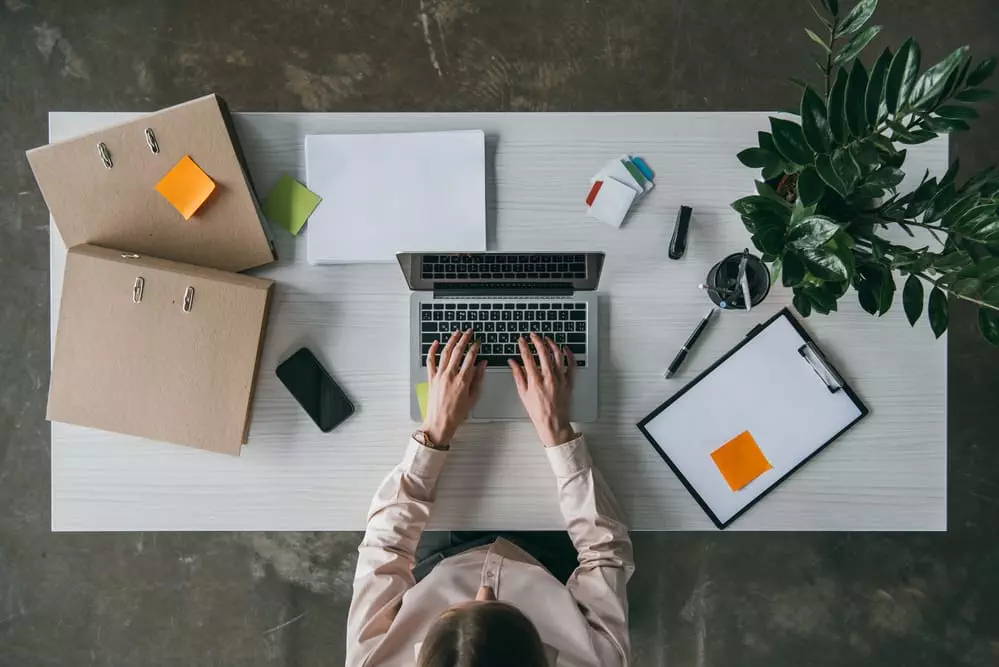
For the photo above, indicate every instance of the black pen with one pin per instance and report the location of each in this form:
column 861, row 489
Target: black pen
column 682, row 354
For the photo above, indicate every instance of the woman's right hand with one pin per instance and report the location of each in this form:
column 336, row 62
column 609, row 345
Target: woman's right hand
column 546, row 388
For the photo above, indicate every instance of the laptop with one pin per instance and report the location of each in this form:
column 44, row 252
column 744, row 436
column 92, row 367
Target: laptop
column 502, row 296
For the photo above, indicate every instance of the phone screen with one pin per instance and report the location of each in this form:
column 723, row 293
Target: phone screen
column 315, row 390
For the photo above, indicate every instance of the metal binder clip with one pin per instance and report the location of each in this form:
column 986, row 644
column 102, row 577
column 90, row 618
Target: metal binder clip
column 137, row 289
column 821, row 367
column 188, row 299
column 154, row 147
column 102, row 150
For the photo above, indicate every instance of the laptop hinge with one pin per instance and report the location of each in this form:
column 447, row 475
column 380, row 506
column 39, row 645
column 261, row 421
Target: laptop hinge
column 466, row 290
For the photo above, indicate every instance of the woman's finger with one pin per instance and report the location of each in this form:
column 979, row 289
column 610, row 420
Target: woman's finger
column 448, row 349
column 458, row 354
column 432, row 360
column 544, row 357
column 530, row 370
column 470, row 358
column 570, row 365
column 558, row 359
column 518, row 376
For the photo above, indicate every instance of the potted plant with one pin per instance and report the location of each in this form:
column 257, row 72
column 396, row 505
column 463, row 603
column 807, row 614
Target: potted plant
column 837, row 168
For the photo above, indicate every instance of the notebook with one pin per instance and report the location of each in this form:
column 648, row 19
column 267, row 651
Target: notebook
column 753, row 418
column 388, row 193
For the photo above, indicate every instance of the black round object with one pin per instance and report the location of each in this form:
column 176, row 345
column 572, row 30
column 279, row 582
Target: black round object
column 723, row 282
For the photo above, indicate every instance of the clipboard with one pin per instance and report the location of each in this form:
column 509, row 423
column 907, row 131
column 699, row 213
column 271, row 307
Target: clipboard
column 777, row 385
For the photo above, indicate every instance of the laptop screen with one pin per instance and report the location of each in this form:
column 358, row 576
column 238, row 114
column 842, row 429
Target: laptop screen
column 425, row 271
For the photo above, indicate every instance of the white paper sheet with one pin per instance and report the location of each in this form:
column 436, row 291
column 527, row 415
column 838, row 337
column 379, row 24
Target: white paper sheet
column 388, row 193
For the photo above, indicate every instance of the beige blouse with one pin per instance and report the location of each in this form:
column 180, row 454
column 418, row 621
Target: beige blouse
column 582, row 623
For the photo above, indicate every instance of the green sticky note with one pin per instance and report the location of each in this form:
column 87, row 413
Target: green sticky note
column 422, row 395
column 635, row 173
column 289, row 204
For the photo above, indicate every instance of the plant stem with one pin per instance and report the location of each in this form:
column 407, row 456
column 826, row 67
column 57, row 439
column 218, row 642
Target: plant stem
column 955, row 294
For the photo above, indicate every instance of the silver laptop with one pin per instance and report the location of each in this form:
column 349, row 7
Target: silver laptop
column 502, row 296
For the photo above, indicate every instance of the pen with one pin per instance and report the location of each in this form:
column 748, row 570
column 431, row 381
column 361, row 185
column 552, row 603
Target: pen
column 743, row 281
column 682, row 354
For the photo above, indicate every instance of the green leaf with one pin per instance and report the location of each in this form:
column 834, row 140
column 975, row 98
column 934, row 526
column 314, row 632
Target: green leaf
column 857, row 17
column 938, row 312
column 847, row 169
column 810, row 186
column 901, row 75
column 876, row 88
column 952, row 261
column 951, row 174
column 982, row 71
column 917, row 137
column 801, row 212
column 825, row 264
column 856, row 90
column 912, row 299
column 921, row 198
column 945, row 125
column 769, row 240
column 818, row 40
column 886, row 177
column 932, row 82
column 823, row 165
column 812, row 232
column 856, row 44
column 837, row 107
column 794, row 270
column 974, row 95
column 757, row 158
column 867, row 298
column 768, row 191
column 814, row 123
column 754, row 204
column 802, row 304
column 956, row 112
column 832, row 6
column 866, row 155
column 790, row 141
column 988, row 324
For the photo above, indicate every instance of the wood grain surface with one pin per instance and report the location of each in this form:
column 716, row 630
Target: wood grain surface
column 889, row 473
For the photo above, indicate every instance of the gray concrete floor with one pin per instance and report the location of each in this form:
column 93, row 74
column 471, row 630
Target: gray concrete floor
column 697, row 599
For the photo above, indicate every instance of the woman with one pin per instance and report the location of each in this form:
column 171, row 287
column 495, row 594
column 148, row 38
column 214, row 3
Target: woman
column 492, row 604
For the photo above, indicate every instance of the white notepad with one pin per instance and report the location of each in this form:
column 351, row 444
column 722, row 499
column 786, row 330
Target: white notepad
column 792, row 404
column 389, row 193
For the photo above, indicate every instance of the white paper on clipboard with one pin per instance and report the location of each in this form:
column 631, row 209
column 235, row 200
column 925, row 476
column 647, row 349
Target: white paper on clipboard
column 770, row 387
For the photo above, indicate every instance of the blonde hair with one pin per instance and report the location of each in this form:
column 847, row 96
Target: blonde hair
column 482, row 634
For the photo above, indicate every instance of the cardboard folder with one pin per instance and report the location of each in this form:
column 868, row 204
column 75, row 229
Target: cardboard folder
column 157, row 349
column 101, row 189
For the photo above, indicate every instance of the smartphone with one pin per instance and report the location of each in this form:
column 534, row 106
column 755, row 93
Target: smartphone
column 315, row 390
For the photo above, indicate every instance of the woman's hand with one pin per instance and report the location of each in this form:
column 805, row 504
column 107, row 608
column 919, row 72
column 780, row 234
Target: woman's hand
column 546, row 391
column 454, row 386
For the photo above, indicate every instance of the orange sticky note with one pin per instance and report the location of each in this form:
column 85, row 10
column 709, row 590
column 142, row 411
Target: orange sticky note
column 186, row 187
column 740, row 461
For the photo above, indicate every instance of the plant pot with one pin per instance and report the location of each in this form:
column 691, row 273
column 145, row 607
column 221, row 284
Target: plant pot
column 786, row 185
column 723, row 285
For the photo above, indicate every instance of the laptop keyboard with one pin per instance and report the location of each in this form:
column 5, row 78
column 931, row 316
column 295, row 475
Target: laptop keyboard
column 498, row 326
column 495, row 266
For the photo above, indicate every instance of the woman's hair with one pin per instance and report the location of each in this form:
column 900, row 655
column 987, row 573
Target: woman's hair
column 482, row 634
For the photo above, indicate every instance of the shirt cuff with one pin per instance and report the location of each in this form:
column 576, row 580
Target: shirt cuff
column 423, row 461
column 570, row 458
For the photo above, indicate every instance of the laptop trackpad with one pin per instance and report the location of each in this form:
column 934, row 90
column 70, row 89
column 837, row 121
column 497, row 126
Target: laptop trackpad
column 499, row 398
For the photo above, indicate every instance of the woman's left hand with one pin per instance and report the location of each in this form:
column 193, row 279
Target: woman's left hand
column 455, row 381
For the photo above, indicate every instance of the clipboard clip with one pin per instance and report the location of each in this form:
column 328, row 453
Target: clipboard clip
column 821, row 367
column 137, row 289
column 188, row 299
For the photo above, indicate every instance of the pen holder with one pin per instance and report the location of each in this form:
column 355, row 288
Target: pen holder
column 723, row 285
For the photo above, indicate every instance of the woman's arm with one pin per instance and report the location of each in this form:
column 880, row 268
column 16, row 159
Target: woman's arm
column 401, row 507
column 599, row 584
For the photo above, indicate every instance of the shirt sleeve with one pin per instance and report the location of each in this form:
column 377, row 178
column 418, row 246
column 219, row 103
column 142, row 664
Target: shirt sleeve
column 606, row 562
column 399, row 512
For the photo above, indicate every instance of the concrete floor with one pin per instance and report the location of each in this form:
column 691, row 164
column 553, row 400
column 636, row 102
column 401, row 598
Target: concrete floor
column 216, row 599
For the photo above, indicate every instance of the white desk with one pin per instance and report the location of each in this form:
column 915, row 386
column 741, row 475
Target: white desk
column 889, row 473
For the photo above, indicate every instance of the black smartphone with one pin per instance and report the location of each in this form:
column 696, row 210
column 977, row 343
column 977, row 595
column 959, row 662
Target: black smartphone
column 315, row 390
